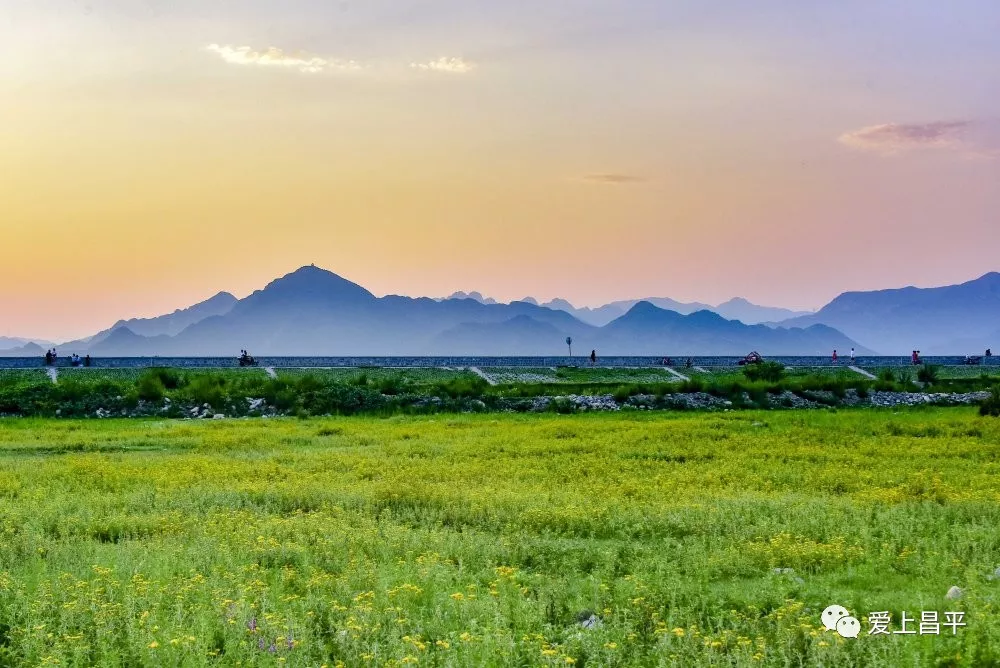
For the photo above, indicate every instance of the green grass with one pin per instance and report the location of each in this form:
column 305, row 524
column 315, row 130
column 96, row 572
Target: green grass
column 478, row 540
column 305, row 392
column 421, row 376
column 17, row 379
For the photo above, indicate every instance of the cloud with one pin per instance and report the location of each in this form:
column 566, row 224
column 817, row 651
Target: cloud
column 893, row 138
column 275, row 57
column 613, row 179
column 448, row 65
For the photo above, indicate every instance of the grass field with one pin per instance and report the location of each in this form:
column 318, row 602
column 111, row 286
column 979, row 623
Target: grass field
column 578, row 376
column 415, row 376
column 482, row 539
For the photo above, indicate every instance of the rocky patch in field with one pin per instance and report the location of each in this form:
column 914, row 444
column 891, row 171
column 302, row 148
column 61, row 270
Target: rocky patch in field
column 887, row 399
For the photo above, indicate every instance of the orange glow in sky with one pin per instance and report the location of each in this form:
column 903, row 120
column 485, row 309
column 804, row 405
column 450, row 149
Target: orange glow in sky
column 150, row 157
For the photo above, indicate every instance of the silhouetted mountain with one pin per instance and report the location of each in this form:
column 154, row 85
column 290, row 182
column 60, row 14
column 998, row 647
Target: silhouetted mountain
column 176, row 322
column 312, row 311
column 951, row 320
column 27, row 350
column 7, row 342
column 123, row 342
column 169, row 324
column 521, row 335
column 474, row 296
column 734, row 309
column 648, row 330
column 753, row 314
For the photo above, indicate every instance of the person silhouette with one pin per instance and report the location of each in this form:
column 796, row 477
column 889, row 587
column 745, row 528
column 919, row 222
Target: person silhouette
column 593, row 357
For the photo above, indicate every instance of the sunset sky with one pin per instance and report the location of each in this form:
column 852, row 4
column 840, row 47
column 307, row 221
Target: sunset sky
column 155, row 152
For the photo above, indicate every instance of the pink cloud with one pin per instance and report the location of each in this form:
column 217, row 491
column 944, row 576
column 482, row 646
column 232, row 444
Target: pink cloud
column 893, row 138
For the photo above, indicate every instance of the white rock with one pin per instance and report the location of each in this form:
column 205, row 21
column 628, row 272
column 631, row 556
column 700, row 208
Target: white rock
column 954, row 593
column 219, row 416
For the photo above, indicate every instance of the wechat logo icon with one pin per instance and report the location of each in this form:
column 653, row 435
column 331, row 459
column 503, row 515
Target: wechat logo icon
column 837, row 618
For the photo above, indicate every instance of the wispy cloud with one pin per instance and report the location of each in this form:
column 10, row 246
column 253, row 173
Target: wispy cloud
column 893, row 138
column 613, row 178
column 447, row 65
column 275, row 57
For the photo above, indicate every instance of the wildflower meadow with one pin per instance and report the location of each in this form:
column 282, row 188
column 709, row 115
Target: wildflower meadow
column 683, row 539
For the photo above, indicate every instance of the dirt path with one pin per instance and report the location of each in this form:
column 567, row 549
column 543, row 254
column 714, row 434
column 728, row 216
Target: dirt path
column 862, row 372
column 270, row 372
column 53, row 374
column 679, row 375
column 479, row 372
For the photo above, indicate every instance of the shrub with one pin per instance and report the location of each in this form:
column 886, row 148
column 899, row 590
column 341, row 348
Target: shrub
column 151, row 388
column 886, row 376
column 928, row 374
column 562, row 405
column 622, row 393
column 991, row 406
column 207, row 390
column 692, row 385
column 771, row 372
column 462, row 388
column 171, row 379
column 391, row 385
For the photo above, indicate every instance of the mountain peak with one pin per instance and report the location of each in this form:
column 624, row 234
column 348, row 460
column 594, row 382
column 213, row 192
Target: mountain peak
column 475, row 296
column 310, row 284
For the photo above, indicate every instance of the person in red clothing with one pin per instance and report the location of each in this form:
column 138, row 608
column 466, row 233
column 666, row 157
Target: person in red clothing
column 834, row 356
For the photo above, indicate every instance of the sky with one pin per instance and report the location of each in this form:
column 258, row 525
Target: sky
column 155, row 152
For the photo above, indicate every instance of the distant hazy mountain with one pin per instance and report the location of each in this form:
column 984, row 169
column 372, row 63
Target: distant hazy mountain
column 27, row 350
column 734, row 309
column 123, row 342
column 315, row 312
column 164, row 325
column 952, row 320
column 472, row 295
column 7, row 342
column 648, row 330
column 753, row 314
column 176, row 322
column 521, row 335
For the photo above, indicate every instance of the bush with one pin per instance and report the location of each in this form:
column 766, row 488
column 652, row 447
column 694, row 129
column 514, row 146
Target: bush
column 991, row 406
column 171, row 379
column 391, row 385
column 771, row 372
column 207, row 390
column 462, row 388
column 622, row 393
column 692, row 385
column 151, row 388
column 928, row 374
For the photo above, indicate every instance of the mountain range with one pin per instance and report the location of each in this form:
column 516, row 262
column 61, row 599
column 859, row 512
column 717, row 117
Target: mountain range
column 734, row 309
column 312, row 311
column 950, row 320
